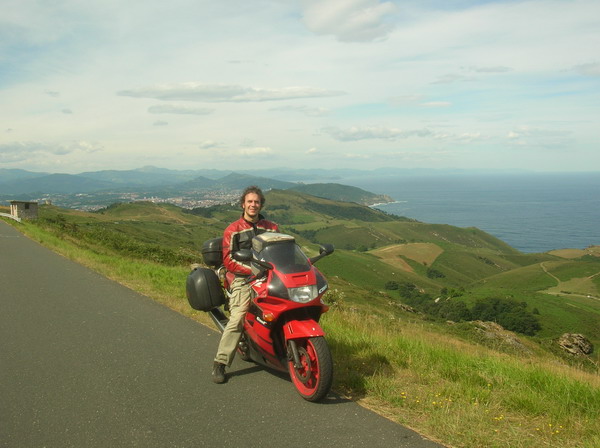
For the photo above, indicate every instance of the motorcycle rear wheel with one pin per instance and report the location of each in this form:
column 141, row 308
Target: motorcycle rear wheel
column 314, row 376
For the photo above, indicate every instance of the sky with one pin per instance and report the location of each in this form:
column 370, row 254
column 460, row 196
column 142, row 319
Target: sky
column 236, row 84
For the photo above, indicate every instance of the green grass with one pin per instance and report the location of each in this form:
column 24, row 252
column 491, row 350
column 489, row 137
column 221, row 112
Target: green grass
column 576, row 269
column 526, row 279
column 567, row 313
column 460, row 393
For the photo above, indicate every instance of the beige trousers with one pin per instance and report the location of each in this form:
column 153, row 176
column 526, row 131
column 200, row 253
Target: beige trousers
column 239, row 302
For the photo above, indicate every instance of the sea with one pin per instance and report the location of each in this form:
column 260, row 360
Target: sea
column 532, row 212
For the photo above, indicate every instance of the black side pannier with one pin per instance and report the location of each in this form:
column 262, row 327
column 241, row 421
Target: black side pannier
column 212, row 252
column 203, row 290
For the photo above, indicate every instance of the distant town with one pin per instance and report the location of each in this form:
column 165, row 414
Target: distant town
column 96, row 201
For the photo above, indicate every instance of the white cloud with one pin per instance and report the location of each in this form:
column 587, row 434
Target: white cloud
column 513, row 135
column 210, row 144
column 360, row 156
column 496, row 69
column 435, row 104
column 305, row 110
column 535, row 137
column 176, row 109
column 468, row 137
column 355, row 133
column 349, row 20
column 255, row 151
column 23, row 151
column 590, row 69
column 403, row 100
column 214, row 93
column 452, row 78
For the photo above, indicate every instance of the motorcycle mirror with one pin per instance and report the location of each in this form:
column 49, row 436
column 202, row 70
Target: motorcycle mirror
column 245, row 255
column 242, row 255
column 324, row 250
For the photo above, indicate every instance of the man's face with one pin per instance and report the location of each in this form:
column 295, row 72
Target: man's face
column 251, row 206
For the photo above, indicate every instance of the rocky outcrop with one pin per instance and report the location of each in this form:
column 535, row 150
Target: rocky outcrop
column 575, row 344
column 499, row 335
column 403, row 307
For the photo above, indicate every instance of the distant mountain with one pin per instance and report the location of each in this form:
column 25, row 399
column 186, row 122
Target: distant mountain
column 147, row 176
column 240, row 181
column 198, row 183
column 11, row 175
column 338, row 192
column 55, row 183
column 155, row 180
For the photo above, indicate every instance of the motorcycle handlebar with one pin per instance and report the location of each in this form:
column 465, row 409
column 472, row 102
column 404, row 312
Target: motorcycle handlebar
column 254, row 277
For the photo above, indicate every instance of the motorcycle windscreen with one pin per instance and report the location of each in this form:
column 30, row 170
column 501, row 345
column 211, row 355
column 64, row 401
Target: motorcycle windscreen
column 286, row 256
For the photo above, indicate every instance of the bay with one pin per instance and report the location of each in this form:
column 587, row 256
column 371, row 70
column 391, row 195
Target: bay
column 533, row 212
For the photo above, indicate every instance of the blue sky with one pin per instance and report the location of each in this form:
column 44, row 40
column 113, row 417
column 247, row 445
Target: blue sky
column 193, row 84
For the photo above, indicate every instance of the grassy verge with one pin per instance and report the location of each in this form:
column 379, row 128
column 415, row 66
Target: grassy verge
column 450, row 390
column 460, row 393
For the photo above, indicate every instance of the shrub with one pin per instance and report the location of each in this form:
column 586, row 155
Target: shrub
column 510, row 314
column 392, row 285
column 434, row 273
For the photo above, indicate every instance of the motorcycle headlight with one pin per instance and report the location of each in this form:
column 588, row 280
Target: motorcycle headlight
column 303, row 294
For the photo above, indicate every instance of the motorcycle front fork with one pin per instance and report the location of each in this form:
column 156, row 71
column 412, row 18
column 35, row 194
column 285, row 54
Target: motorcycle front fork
column 293, row 353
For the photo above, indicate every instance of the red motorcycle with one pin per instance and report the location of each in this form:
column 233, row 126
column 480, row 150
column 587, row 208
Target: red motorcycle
column 281, row 328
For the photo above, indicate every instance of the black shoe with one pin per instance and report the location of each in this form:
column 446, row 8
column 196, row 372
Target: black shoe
column 218, row 373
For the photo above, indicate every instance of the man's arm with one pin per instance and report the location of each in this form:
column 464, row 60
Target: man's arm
column 228, row 248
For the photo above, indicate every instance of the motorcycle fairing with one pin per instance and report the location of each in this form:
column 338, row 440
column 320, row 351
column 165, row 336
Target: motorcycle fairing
column 298, row 329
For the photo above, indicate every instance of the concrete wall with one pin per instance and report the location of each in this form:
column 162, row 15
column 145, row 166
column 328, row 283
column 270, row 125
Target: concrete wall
column 6, row 215
column 24, row 210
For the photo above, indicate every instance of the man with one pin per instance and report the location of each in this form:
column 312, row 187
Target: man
column 238, row 235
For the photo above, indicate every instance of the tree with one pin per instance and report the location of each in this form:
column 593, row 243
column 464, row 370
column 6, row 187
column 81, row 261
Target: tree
column 454, row 310
column 407, row 290
column 392, row 285
column 510, row 314
column 434, row 273
column 520, row 322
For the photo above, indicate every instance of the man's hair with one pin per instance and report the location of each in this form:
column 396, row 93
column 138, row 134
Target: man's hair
column 253, row 189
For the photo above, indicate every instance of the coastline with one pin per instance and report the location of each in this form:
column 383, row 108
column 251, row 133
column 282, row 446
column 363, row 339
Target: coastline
column 533, row 214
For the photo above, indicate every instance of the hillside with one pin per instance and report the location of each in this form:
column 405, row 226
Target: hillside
column 345, row 193
column 374, row 248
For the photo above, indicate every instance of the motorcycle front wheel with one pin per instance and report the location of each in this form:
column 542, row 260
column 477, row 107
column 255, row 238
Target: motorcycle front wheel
column 314, row 375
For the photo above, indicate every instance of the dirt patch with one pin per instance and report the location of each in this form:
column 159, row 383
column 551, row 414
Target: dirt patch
column 423, row 253
column 576, row 253
column 579, row 287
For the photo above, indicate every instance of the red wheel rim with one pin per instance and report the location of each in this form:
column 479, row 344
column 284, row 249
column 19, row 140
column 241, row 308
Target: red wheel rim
column 306, row 377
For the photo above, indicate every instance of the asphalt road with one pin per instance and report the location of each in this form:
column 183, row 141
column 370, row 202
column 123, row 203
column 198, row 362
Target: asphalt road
column 86, row 362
